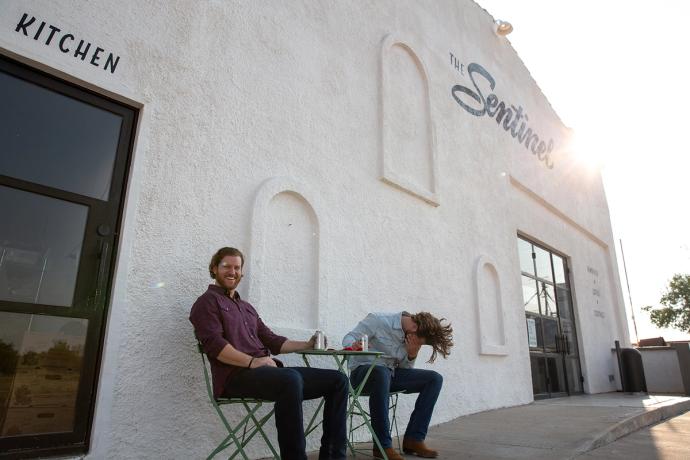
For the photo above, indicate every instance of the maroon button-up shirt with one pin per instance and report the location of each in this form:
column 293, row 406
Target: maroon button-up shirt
column 219, row 320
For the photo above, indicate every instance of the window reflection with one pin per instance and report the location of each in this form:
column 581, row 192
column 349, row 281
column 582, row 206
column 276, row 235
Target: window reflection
column 550, row 334
column 55, row 140
column 538, row 375
column 543, row 263
column 529, row 294
column 558, row 269
column 40, row 365
column 525, row 252
column 569, row 336
column 547, row 299
column 563, row 298
column 556, row 376
column 40, row 247
column 573, row 373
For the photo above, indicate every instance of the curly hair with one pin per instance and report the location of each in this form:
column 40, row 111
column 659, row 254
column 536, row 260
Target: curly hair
column 439, row 336
column 220, row 255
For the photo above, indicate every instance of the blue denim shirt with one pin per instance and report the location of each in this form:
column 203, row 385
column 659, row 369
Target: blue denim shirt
column 385, row 334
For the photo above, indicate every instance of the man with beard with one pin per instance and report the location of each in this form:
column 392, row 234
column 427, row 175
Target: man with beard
column 239, row 347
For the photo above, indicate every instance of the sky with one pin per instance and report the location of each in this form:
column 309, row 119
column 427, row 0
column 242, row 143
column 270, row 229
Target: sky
column 617, row 73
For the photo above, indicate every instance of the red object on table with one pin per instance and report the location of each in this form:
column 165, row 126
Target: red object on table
column 353, row 348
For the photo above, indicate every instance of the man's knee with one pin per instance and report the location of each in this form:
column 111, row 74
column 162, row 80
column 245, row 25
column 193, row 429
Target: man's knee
column 435, row 379
column 380, row 374
column 379, row 381
column 338, row 384
column 340, row 380
column 291, row 382
column 337, row 381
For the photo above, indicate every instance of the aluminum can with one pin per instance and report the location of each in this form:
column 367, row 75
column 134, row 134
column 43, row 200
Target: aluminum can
column 320, row 341
column 365, row 342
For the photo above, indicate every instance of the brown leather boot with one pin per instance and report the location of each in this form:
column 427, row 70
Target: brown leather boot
column 391, row 453
column 418, row 448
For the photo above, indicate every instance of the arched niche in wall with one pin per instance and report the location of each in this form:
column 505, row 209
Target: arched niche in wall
column 489, row 307
column 285, row 255
column 408, row 140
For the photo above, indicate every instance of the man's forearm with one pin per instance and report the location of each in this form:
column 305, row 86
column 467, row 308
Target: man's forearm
column 230, row 355
column 294, row 345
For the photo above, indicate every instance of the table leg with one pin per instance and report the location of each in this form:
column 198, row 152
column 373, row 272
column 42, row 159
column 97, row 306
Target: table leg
column 313, row 423
column 355, row 394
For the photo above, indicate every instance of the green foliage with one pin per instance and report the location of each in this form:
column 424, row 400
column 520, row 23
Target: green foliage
column 8, row 358
column 676, row 302
column 30, row 358
column 62, row 355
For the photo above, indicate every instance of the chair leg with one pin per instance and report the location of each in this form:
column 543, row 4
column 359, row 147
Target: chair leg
column 258, row 424
column 312, row 425
column 232, row 436
column 352, row 429
column 247, row 434
column 392, row 408
column 244, row 423
column 394, row 419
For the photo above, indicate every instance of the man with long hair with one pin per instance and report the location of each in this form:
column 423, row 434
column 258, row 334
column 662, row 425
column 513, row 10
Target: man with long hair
column 239, row 347
column 400, row 336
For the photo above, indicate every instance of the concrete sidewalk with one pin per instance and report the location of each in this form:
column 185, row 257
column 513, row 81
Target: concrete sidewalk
column 560, row 428
column 667, row 440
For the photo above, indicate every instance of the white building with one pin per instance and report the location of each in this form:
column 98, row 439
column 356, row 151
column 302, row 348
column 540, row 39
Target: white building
column 366, row 156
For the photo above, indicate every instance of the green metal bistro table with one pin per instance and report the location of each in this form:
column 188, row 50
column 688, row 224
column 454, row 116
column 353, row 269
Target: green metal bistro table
column 340, row 357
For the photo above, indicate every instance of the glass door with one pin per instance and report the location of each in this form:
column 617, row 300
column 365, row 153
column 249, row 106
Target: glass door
column 63, row 160
column 554, row 357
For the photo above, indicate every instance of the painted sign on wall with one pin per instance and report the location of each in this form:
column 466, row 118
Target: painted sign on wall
column 513, row 119
column 67, row 43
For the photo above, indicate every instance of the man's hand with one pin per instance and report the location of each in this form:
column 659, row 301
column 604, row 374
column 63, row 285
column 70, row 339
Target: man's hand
column 412, row 344
column 311, row 344
column 356, row 346
column 264, row 361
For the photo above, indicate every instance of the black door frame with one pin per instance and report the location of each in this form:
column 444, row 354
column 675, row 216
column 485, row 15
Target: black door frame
column 561, row 348
column 96, row 266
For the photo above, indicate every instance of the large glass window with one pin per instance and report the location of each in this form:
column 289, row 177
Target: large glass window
column 549, row 317
column 64, row 154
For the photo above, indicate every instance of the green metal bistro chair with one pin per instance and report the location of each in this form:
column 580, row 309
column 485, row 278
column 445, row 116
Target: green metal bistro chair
column 392, row 409
column 249, row 426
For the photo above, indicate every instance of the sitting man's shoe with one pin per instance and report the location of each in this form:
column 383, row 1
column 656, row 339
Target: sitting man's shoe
column 418, row 448
column 391, row 453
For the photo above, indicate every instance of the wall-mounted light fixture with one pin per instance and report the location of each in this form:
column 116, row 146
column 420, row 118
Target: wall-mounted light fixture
column 503, row 28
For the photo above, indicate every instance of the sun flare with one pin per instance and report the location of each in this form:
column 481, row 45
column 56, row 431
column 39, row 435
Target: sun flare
column 587, row 151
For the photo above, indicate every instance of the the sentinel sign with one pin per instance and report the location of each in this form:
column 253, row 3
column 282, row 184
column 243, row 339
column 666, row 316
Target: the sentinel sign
column 68, row 43
column 514, row 120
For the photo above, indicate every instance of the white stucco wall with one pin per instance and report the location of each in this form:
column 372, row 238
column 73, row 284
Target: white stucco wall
column 268, row 123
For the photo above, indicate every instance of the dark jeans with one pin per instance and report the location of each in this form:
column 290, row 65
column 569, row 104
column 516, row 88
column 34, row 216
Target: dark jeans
column 288, row 387
column 379, row 385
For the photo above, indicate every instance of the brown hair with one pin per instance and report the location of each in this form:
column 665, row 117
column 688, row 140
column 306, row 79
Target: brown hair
column 220, row 254
column 436, row 334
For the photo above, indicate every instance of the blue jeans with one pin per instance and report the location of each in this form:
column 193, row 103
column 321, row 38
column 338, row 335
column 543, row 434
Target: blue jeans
column 288, row 387
column 379, row 385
